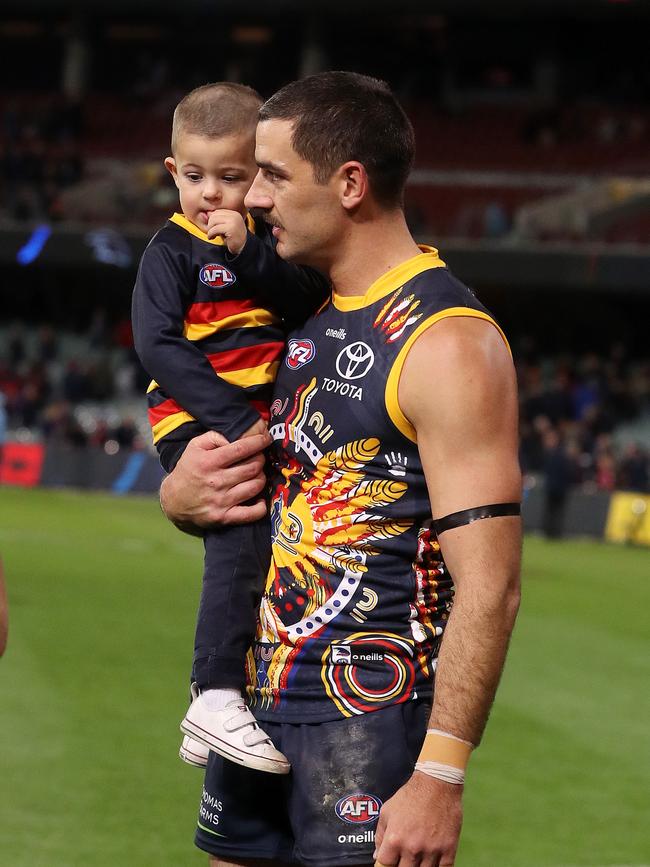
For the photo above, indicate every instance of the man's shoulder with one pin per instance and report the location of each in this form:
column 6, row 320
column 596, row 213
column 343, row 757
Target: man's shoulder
column 440, row 289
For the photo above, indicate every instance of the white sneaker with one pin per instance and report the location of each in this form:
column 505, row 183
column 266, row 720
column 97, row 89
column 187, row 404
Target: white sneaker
column 233, row 732
column 194, row 752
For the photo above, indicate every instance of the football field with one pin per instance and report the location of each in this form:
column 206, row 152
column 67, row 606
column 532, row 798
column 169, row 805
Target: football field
column 102, row 595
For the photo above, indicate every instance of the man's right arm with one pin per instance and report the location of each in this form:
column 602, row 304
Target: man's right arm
column 213, row 478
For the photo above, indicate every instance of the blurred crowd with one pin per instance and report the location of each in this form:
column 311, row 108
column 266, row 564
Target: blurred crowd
column 585, row 419
column 573, row 409
column 99, row 160
column 40, row 156
column 77, row 390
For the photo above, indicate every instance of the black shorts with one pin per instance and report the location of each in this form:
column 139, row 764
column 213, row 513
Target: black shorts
column 325, row 811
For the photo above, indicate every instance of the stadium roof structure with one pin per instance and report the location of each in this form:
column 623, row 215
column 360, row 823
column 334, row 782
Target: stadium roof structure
column 280, row 7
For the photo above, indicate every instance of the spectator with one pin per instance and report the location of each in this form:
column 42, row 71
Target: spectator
column 605, row 471
column 3, row 430
column 633, row 470
column 558, row 478
column 76, row 386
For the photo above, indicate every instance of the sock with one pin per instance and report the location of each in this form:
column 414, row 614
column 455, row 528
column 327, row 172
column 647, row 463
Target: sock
column 217, row 699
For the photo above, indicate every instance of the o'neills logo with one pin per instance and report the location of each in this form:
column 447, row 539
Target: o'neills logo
column 358, row 809
column 355, row 654
column 339, row 333
column 216, row 276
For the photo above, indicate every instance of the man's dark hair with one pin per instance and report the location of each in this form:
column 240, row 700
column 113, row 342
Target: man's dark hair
column 341, row 116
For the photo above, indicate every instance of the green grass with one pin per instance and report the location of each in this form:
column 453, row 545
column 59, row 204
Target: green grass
column 103, row 595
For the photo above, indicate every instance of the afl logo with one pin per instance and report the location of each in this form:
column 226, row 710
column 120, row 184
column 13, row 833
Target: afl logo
column 358, row 809
column 300, row 352
column 216, row 276
column 355, row 360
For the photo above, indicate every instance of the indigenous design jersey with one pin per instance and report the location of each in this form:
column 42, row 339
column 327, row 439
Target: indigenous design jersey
column 203, row 299
column 357, row 594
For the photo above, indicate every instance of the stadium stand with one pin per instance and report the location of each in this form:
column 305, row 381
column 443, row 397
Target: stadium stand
column 513, row 149
column 86, row 391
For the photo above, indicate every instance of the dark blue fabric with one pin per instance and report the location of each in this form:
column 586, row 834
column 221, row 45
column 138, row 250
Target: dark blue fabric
column 236, row 563
column 324, row 812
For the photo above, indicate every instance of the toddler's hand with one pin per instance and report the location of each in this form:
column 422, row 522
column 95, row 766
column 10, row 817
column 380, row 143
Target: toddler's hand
column 232, row 228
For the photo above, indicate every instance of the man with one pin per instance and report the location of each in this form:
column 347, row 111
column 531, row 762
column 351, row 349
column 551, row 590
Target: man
column 396, row 404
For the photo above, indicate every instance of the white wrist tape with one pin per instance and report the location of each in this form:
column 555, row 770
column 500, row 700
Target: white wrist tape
column 446, row 773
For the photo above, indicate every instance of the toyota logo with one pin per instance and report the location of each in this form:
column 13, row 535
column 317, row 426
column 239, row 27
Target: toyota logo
column 355, row 360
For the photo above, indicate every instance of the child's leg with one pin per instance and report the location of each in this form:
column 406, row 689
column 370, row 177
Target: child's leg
column 236, row 563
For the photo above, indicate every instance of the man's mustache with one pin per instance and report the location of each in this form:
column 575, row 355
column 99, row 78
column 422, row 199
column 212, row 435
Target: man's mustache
column 260, row 213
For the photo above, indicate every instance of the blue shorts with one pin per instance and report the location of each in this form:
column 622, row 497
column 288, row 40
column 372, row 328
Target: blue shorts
column 325, row 811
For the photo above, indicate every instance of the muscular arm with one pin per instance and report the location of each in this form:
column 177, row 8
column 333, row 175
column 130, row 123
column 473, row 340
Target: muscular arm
column 465, row 414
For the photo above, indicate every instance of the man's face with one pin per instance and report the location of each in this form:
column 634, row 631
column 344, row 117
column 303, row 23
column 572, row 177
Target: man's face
column 212, row 173
column 307, row 217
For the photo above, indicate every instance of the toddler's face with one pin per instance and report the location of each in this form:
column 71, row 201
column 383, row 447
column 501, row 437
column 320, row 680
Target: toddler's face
column 212, row 173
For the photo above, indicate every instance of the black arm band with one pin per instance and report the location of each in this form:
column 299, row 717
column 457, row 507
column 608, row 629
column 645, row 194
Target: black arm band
column 468, row 516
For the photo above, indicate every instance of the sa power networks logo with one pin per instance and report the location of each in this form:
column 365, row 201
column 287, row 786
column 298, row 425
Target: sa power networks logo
column 358, row 809
column 355, row 360
column 216, row 276
column 300, row 352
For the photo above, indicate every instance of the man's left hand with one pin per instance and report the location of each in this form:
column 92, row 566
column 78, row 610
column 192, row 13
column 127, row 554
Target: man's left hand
column 420, row 825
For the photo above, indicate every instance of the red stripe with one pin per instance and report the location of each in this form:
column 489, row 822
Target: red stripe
column 246, row 356
column 164, row 409
column 205, row 312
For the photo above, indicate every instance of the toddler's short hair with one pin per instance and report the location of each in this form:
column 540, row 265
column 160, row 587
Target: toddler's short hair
column 215, row 110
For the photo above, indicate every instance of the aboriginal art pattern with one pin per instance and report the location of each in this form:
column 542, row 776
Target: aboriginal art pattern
column 358, row 594
column 397, row 315
column 327, row 525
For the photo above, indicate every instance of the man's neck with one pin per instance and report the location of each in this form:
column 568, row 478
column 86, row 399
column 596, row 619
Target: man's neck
column 370, row 249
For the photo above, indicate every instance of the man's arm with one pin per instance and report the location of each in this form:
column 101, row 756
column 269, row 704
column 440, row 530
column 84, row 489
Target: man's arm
column 213, row 478
column 466, row 425
column 4, row 613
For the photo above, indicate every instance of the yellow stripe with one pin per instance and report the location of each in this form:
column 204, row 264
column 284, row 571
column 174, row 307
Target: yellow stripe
column 391, row 281
column 392, row 384
column 167, row 425
column 153, row 385
column 248, row 376
column 182, row 221
column 247, row 319
column 244, row 378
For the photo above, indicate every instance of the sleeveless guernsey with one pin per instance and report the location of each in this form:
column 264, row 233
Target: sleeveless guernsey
column 357, row 595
